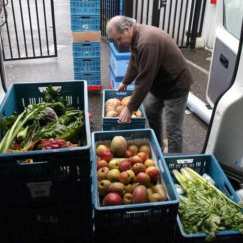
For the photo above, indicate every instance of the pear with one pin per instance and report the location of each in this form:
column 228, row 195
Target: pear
column 160, row 188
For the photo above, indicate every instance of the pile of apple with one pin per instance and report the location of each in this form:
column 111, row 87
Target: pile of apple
column 127, row 174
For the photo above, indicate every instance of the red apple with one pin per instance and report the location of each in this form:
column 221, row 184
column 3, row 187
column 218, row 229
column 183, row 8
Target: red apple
column 100, row 148
column 143, row 156
column 106, row 154
column 128, row 154
column 125, row 165
column 102, row 173
column 125, row 177
column 143, row 179
column 140, row 194
column 101, row 163
column 153, row 172
column 138, row 167
column 112, row 198
column 135, row 159
column 127, row 198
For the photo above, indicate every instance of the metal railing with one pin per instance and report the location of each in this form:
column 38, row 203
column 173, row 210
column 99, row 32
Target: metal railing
column 29, row 29
column 182, row 19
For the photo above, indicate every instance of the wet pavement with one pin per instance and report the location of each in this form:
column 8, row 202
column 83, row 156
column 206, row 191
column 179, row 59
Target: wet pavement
column 61, row 69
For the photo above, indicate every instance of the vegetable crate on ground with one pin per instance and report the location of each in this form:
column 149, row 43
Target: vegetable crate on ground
column 112, row 123
column 54, row 174
column 204, row 164
column 124, row 220
column 62, row 222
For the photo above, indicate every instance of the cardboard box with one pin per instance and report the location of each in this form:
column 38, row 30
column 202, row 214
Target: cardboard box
column 86, row 36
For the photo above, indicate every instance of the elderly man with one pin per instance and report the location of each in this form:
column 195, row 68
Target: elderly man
column 162, row 77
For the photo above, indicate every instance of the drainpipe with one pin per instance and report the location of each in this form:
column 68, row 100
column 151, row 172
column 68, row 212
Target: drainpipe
column 201, row 109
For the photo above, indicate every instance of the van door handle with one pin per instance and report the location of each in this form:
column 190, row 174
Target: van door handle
column 224, row 61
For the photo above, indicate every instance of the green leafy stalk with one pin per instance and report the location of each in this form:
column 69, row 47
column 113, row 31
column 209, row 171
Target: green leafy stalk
column 202, row 180
column 29, row 113
column 205, row 209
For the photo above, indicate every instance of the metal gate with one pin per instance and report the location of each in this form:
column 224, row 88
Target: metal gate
column 182, row 19
column 28, row 29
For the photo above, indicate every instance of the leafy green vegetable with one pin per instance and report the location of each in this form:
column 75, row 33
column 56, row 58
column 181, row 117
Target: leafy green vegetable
column 52, row 119
column 205, row 209
column 35, row 111
column 52, row 95
column 7, row 122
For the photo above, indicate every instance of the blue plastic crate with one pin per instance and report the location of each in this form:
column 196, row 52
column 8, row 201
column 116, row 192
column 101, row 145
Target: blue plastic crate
column 86, row 65
column 87, row 49
column 115, row 81
column 87, row 7
column 111, row 123
column 85, row 23
column 55, row 174
column 91, row 78
column 158, row 216
column 204, row 163
column 118, row 61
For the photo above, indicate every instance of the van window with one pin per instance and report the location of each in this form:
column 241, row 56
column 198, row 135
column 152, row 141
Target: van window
column 233, row 14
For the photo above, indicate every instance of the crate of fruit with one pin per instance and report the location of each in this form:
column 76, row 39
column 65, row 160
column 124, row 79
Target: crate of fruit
column 43, row 126
column 132, row 187
column 208, row 208
column 113, row 102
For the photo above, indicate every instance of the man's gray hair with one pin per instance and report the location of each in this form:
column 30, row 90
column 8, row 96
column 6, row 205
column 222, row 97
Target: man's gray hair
column 119, row 22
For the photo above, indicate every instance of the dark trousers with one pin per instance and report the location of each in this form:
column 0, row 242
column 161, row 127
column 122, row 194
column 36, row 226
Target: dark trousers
column 174, row 111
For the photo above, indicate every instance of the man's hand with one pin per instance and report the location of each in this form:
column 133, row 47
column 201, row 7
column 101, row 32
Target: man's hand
column 121, row 86
column 125, row 115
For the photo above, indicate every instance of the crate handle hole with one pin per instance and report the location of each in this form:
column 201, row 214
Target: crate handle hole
column 124, row 123
column 138, row 211
column 30, row 162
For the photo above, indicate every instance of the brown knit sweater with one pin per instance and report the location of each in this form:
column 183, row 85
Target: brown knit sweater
column 157, row 65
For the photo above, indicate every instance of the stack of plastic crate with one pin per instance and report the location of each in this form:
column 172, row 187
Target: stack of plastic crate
column 118, row 66
column 85, row 25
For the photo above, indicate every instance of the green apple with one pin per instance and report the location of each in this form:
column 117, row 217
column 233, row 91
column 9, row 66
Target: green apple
column 114, row 164
column 102, row 173
column 149, row 162
column 113, row 175
column 133, row 148
column 127, row 198
column 145, row 148
column 117, row 187
column 103, row 187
